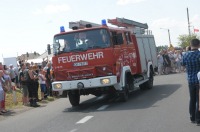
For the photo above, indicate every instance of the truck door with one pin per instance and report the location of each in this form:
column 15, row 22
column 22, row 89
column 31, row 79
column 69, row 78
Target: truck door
column 132, row 61
column 124, row 51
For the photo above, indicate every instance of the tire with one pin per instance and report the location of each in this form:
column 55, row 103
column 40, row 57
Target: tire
column 74, row 98
column 125, row 94
column 149, row 83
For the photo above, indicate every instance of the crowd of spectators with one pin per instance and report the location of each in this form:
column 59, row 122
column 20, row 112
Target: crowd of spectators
column 28, row 77
column 169, row 61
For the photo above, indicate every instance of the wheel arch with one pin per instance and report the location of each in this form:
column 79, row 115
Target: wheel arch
column 126, row 70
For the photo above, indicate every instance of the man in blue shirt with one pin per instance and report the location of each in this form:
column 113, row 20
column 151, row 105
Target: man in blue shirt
column 191, row 60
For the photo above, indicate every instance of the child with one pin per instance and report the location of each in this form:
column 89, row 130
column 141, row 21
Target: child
column 42, row 83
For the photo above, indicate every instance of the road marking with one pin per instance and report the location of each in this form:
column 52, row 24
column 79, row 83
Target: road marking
column 85, row 119
column 103, row 107
column 73, row 130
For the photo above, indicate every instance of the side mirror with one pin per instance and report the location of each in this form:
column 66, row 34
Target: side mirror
column 48, row 49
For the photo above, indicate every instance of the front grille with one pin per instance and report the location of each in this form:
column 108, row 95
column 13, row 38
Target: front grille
column 86, row 73
column 81, row 74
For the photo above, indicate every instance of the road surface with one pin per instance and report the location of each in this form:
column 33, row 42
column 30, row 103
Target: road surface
column 161, row 109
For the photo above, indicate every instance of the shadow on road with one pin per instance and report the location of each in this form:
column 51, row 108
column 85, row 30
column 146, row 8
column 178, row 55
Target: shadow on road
column 85, row 106
column 145, row 99
column 139, row 99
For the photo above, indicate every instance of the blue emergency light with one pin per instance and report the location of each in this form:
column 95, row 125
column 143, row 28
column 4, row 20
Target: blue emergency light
column 103, row 22
column 62, row 29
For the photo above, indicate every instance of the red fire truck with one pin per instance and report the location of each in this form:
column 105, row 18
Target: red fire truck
column 100, row 59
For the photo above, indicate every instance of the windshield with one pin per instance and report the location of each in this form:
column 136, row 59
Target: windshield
column 81, row 41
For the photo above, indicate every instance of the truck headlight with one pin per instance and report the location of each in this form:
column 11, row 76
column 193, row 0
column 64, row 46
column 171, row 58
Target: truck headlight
column 57, row 86
column 105, row 81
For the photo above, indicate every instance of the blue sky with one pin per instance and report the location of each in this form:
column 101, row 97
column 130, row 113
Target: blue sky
column 29, row 25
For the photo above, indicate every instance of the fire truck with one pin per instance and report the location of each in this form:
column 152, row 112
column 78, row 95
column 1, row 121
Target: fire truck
column 100, row 59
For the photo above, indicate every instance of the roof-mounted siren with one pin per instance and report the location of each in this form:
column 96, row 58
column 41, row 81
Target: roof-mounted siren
column 103, row 22
column 62, row 29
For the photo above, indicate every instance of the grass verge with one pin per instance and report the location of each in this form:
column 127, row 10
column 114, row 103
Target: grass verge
column 10, row 104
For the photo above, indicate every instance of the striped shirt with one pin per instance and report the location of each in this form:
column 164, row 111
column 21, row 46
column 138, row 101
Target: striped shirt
column 191, row 60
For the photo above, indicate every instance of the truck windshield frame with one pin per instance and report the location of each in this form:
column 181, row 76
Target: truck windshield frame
column 81, row 41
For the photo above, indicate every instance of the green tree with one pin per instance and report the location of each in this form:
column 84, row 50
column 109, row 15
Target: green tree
column 184, row 40
column 159, row 48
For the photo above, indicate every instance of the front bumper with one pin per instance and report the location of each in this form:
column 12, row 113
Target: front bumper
column 87, row 83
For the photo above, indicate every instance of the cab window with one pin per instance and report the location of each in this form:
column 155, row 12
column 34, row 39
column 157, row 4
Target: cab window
column 117, row 38
column 128, row 37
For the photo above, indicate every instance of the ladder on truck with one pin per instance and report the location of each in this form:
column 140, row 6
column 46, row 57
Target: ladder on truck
column 82, row 24
column 136, row 27
column 122, row 22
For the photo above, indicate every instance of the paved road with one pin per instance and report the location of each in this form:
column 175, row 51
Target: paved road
column 161, row 109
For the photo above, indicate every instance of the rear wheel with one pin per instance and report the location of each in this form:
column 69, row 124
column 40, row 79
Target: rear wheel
column 149, row 83
column 74, row 98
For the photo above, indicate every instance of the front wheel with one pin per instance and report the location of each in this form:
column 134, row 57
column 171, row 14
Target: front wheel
column 74, row 98
column 125, row 94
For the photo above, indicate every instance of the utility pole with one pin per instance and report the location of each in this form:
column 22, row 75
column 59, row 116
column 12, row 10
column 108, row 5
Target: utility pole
column 188, row 22
column 169, row 37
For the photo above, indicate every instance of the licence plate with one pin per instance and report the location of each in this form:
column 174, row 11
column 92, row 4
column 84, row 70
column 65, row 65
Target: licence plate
column 80, row 63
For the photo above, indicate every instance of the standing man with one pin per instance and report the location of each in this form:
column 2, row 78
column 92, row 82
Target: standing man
column 191, row 60
column 29, row 78
column 23, row 84
column 166, row 62
column 160, row 63
column 16, row 71
column 12, row 73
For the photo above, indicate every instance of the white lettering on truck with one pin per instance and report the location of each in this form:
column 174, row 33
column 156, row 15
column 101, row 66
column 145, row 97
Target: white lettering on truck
column 82, row 57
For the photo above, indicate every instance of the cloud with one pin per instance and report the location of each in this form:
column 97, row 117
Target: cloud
column 125, row 2
column 195, row 21
column 52, row 9
column 168, row 23
column 176, row 28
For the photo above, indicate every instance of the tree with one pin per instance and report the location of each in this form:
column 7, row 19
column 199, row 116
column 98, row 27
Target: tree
column 184, row 40
column 159, row 48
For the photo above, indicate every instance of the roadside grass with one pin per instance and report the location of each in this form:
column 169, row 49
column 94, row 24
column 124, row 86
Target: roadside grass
column 19, row 104
column 9, row 100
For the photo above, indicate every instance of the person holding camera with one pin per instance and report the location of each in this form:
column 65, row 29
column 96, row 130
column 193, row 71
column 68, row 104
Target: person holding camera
column 31, row 83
